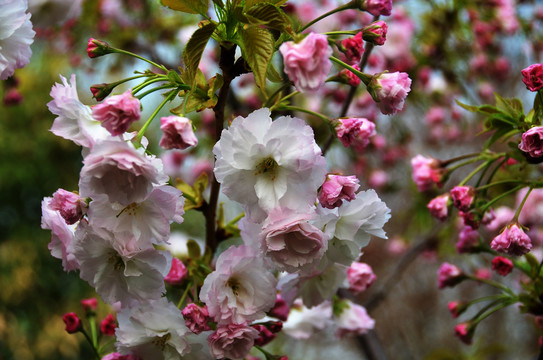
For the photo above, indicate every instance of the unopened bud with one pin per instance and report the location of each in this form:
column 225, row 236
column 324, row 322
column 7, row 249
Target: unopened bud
column 101, row 91
column 96, row 48
column 375, row 33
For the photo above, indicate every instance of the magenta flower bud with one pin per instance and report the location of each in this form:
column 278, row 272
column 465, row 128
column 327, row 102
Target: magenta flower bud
column 456, row 308
column 468, row 239
column 532, row 77
column 354, row 48
column 266, row 336
column 502, row 265
column 118, row 112
column 438, row 207
column 462, row 197
column 375, row 33
column 96, row 48
column 389, row 91
column 89, row 304
column 178, row 273
column 177, row 133
column 337, row 188
column 101, row 91
column 196, row 318
column 360, row 277
column 108, row 325
column 280, row 309
column 464, row 331
column 73, row 324
column 377, row 7
column 426, row 172
column 69, row 204
column 512, row 241
column 532, row 142
column 449, row 275
column 355, row 132
column 12, row 97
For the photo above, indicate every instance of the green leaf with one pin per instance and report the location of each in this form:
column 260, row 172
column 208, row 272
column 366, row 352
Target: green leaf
column 467, row 107
column 193, row 194
column 202, row 96
column 188, row 6
column 193, row 249
column 250, row 3
column 257, row 50
column 512, row 107
column 194, row 50
column 273, row 75
column 268, row 15
column 219, row 3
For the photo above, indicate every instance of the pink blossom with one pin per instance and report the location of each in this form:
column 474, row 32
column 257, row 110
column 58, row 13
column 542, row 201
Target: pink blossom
column 360, row 276
column 280, row 309
column 240, row 289
column 232, row 341
column 464, row 331
column 12, row 97
column 178, row 273
column 354, row 48
column 348, row 76
column 462, row 197
column 467, row 240
column 96, row 48
column 307, row 63
column 196, row 318
column 532, row 142
column 73, row 324
column 449, row 275
column 389, row 91
column 177, row 133
column 378, row 7
column 438, row 207
column 337, row 188
column 435, row 115
column 375, row 33
column 426, row 172
column 69, row 204
column 512, row 241
column 353, row 319
column 291, row 242
column 108, row 325
column 117, row 356
column 355, row 132
column 532, row 76
column 502, row 216
column 502, row 265
column 89, row 304
column 265, row 335
column 456, row 308
column 378, row 179
column 125, row 174
column 118, row 112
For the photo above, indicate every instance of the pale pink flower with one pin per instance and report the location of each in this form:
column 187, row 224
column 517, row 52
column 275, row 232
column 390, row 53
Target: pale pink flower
column 426, row 172
column 177, row 133
column 196, row 318
column 62, row 235
column 240, row 289
column 378, row 179
column 16, row 36
column 69, row 204
column 462, row 197
column 449, row 275
column 307, row 63
column 532, row 142
column 353, row 319
column 118, row 112
column 337, row 188
column 322, row 285
column 178, row 272
column 117, row 268
column 378, row 7
column 74, row 121
column 123, row 173
column 291, row 242
column 360, row 276
column 153, row 330
column 355, row 132
column 532, row 76
column 265, row 165
column 512, row 241
column 502, row 216
column 389, row 90
column 232, row 341
column 149, row 221
column 303, row 322
column 438, row 207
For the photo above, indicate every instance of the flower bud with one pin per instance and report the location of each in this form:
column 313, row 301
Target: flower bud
column 360, row 277
column 96, row 48
column 353, row 48
column 108, row 325
column 377, row 7
column 100, row 91
column 178, row 273
column 512, row 241
column 177, row 133
column 502, row 265
column 449, row 275
column 438, row 207
column 73, row 324
column 462, row 197
column 465, row 331
column 389, row 91
column 196, row 318
column 532, row 77
column 89, row 304
column 337, row 188
column 456, row 308
column 280, row 309
column 375, row 33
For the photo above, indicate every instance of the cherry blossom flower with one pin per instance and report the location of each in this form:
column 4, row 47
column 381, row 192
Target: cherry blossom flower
column 438, row 207
column 232, row 341
column 353, row 319
column 449, row 275
column 264, row 165
column 108, row 325
column 532, row 76
column 69, row 204
column 240, row 289
column 467, row 240
column 426, row 172
column 512, row 240
column 74, row 121
column 375, row 33
column 532, row 142
column 355, row 132
column 125, row 174
column 462, row 197
column 360, row 276
column 378, row 7
column 118, row 112
column 389, row 90
column 337, row 188
column 73, row 323
column 178, row 273
column 502, row 265
column 177, row 133
column 303, row 322
column 153, row 330
column 196, row 318
column 307, row 63
column 16, row 36
column 117, row 268
column 354, row 48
